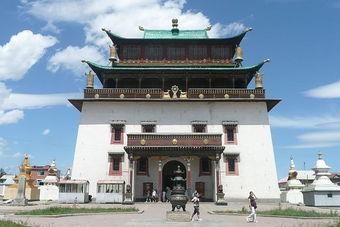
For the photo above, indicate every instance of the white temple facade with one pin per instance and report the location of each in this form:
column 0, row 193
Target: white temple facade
column 50, row 189
column 151, row 117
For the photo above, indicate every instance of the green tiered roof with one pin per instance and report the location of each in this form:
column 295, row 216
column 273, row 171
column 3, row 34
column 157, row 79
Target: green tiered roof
column 227, row 69
column 181, row 34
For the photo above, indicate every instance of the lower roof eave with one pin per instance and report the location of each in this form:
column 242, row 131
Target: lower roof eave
column 174, row 150
column 78, row 103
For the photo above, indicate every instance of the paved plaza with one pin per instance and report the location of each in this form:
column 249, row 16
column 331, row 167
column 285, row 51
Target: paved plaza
column 154, row 215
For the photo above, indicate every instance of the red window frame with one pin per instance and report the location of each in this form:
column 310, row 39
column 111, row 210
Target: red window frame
column 236, row 159
column 114, row 130
column 112, row 159
column 205, row 173
column 146, row 172
column 234, row 131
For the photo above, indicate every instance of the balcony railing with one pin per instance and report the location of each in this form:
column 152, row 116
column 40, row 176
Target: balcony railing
column 225, row 93
column 188, row 139
column 157, row 93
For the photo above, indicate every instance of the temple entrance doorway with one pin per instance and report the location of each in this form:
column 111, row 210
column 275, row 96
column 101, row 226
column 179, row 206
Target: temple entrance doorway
column 168, row 173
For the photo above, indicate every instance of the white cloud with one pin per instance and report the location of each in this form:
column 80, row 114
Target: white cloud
column 323, row 136
column 36, row 101
column 70, row 59
column 305, row 122
column 3, row 145
column 124, row 17
column 325, row 92
column 16, row 155
column 312, row 145
column 10, row 117
column 21, row 53
column 121, row 17
column 46, row 132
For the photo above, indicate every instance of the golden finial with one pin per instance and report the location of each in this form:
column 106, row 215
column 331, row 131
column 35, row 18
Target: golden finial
column 89, row 80
column 258, row 80
column 113, row 54
column 238, row 55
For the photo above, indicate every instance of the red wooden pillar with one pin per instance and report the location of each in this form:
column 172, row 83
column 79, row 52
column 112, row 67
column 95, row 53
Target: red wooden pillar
column 160, row 176
column 189, row 172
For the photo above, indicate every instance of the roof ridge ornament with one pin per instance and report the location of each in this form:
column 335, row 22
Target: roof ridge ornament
column 208, row 28
column 141, row 28
column 175, row 30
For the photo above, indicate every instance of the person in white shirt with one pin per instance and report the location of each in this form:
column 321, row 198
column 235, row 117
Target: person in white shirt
column 196, row 202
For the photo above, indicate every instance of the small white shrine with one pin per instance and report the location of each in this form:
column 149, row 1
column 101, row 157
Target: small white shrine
column 322, row 192
column 293, row 192
column 50, row 189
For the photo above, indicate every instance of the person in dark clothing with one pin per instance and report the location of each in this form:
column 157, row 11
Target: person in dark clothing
column 252, row 205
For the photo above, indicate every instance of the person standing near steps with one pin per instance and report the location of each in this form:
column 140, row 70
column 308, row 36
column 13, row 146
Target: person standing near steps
column 252, row 205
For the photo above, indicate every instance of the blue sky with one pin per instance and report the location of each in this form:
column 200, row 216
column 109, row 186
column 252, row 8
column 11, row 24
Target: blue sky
column 42, row 43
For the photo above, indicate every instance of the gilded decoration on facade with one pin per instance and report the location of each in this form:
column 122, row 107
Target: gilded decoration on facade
column 174, row 142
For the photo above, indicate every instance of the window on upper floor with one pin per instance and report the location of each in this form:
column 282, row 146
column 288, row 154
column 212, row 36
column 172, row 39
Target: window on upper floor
column 199, row 128
column 197, row 52
column 220, row 52
column 41, row 173
column 115, row 164
column 176, row 53
column 230, row 134
column 117, row 134
column 142, row 166
column 148, row 128
column 232, row 164
column 205, row 166
column 131, row 52
column 154, row 52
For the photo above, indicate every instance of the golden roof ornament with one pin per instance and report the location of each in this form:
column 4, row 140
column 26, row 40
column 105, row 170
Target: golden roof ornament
column 89, row 80
column 25, row 168
column 292, row 174
column 238, row 56
column 113, row 54
column 52, row 171
column 258, row 81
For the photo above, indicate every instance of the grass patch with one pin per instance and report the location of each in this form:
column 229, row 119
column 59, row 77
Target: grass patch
column 289, row 212
column 8, row 223
column 73, row 210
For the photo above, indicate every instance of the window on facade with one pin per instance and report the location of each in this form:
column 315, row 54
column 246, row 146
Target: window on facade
column 197, row 52
column 41, row 173
column 148, row 128
column 131, row 52
column 232, row 164
column 199, row 128
column 110, row 188
column 176, row 53
column 220, row 52
column 115, row 165
column 117, row 133
column 154, row 52
column 205, row 166
column 230, row 134
column 142, row 166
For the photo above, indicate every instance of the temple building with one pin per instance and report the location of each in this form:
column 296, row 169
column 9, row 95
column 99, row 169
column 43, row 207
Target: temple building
column 176, row 98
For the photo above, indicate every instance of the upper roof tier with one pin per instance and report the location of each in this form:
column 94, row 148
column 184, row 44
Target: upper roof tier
column 176, row 33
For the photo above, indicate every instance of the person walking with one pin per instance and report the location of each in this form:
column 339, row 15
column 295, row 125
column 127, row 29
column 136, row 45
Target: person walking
column 196, row 202
column 252, row 205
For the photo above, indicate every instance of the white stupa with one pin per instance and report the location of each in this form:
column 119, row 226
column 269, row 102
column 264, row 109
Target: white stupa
column 293, row 193
column 50, row 190
column 322, row 192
